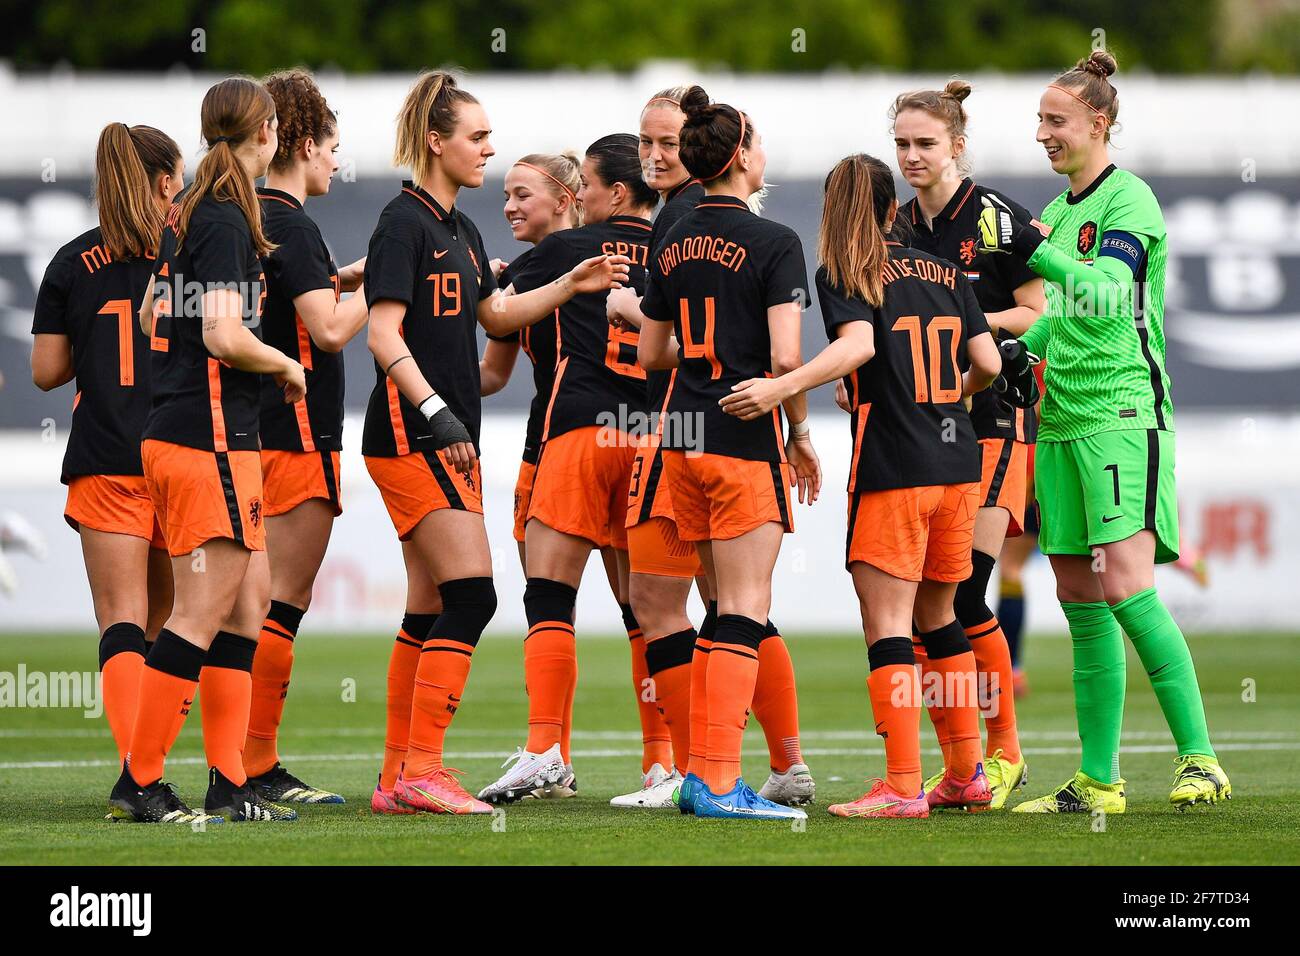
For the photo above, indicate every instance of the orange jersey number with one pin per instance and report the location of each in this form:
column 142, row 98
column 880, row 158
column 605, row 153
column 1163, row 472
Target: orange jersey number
column 613, row 352
column 125, row 338
column 446, row 293
column 701, row 349
column 929, row 388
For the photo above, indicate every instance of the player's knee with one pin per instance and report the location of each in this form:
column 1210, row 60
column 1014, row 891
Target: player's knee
column 946, row 641
column 971, row 600
column 467, row 607
column 547, row 600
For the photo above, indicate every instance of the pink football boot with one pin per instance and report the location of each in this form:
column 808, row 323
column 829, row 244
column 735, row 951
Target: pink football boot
column 973, row 794
column 880, row 801
column 440, row 792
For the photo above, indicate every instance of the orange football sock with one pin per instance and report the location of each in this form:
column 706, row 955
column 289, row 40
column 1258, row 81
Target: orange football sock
column 402, row 663
column 698, row 745
column 776, row 703
column 953, row 665
column 467, row 606
column 993, row 662
column 656, row 741
column 121, row 661
column 932, row 697
column 896, row 706
column 732, row 673
column 566, row 728
column 226, row 696
column 439, row 685
column 271, row 666
column 168, row 682
column 550, row 669
column 668, row 660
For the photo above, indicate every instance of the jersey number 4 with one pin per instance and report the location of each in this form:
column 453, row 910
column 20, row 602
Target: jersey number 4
column 928, row 377
column 703, row 347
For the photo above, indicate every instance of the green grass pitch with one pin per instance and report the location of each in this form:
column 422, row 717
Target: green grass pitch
column 56, row 768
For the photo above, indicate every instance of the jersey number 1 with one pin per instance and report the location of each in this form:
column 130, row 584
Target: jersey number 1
column 125, row 338
column 931, row 389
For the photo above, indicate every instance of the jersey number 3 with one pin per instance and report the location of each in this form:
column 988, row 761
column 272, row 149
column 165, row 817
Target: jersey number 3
column 929, row 387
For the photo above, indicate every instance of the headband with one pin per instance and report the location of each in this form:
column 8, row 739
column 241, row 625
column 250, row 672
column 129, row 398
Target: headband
column 736, row 151
column 661, row 99
column 539, row 169
column 1054, row 86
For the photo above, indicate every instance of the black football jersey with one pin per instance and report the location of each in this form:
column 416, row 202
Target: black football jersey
column 597, row 378
column 300, row 263
column 679, row 200
column 909, row 424
column 538, row 342
column 93, row 300
column 432, row 260
column 714, row 277
column 994, row 278
column 198, row 400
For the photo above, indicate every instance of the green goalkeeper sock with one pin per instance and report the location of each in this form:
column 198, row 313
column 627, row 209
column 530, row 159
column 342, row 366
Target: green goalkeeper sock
column 1098, row 686
column 1168, row 662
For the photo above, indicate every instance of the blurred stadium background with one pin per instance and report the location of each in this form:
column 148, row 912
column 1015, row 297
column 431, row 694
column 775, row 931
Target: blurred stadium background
column 1208, row 90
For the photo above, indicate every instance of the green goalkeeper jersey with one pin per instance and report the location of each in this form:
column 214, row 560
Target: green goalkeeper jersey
column 1103, row 331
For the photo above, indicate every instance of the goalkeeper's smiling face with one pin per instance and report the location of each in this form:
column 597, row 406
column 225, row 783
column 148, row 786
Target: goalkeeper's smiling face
column 1068, row 131
column 926, row 152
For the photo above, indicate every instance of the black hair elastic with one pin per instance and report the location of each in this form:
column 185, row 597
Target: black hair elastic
column 220, row 139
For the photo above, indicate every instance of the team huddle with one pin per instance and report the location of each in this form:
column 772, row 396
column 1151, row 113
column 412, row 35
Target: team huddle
column 668, row 430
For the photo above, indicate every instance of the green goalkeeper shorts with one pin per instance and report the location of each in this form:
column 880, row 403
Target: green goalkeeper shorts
column 1105, row 488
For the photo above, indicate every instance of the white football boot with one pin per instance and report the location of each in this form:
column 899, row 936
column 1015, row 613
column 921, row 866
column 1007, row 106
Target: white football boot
column 794, row 788
column 566, row 786
column 528, row 775
column 658, row 788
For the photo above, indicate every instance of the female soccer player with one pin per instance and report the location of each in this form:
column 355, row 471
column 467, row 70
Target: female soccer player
column 542, row 196
column 428, row 283
column 531, row 218
column 1105, row 464
column 662, row 565
column 730, row 283
column 578, row 497
column 914, row 477
column 541, row 191
column 302, row 317
column 201, row 462
column 84, row 329
column 930, row 141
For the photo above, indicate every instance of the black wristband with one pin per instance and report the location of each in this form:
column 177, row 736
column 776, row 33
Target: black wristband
column 1026, row 241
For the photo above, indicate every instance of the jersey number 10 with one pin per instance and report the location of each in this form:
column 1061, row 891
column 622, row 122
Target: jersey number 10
column 929, row 388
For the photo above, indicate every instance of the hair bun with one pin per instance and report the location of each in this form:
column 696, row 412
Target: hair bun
column 1100, row 62
column 957, row 90
column 572, row 156
column 695, row 101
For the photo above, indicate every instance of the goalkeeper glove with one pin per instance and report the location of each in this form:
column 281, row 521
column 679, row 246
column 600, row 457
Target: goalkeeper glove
column 1000, row 230
column 1017, row 384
